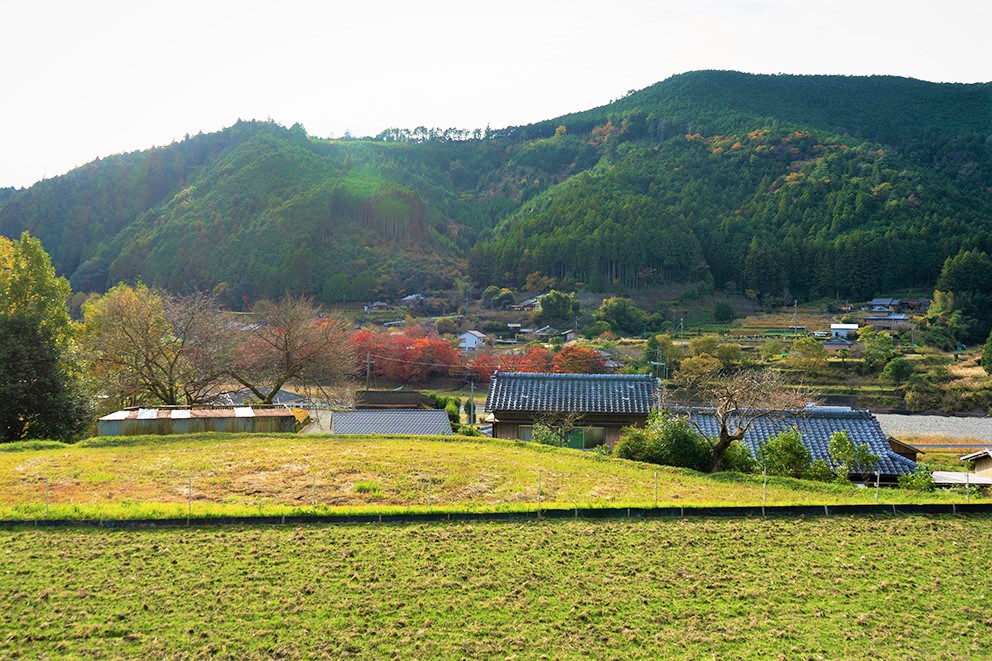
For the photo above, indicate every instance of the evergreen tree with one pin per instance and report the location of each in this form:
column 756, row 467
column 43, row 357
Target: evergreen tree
column 40, row 389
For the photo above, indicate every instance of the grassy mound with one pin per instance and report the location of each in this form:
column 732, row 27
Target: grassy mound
column 244, row 474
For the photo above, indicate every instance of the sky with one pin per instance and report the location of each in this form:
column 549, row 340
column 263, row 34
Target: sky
column 83, row 80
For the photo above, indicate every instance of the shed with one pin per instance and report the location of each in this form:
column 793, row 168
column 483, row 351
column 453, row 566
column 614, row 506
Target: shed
column 392, row 399
column 983, row 461
column 394, row 423
column 844, row 331
column 195, row 419
column 604, row 403
column 904, row 449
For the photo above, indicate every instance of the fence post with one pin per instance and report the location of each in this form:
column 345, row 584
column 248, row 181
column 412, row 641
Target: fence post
column 656, row 489
column 764, row 489
column 877, row 480
column 967, row 486
column 538, row 494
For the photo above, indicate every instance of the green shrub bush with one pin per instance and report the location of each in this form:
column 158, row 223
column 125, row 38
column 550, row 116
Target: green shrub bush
column 666, row 440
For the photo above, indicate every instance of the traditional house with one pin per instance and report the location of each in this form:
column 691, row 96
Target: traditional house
column 470, row 340
column 601, row 404
column 529, row 305
column 409, row 422
column 880, row 304
column 835, row 344
column 889, row 321
column 816, row 424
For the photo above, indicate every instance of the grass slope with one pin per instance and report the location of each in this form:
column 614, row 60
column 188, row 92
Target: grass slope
column 232, row 474
column 908, row 588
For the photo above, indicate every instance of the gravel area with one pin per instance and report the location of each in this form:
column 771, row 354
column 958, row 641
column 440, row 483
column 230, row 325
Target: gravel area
column 936, row 425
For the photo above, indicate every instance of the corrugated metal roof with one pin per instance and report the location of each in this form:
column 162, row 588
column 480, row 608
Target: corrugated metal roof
column 954, row 477
column 816, row 426
column 582, row 393
column 183, row 413
column 393, row 422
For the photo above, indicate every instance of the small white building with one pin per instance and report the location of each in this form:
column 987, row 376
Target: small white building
column 471, row 340
column 844, row 331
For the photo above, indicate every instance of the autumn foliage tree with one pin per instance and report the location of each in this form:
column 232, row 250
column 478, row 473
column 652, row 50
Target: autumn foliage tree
column 535, row 359
column 149, row 346
column 579, row 360
column 409, row 356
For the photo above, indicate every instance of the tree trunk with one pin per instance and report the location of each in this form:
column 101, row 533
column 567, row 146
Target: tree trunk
column 726, row 438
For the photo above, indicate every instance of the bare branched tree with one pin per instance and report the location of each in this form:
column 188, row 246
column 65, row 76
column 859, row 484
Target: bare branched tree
column 737, row 401
column 293, row 344
column 558, row 425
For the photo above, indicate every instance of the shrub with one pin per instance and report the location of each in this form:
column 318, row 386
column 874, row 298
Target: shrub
column 820, row 471
column 545, row 436
column 785, row 454
column 723, row 312
column 666, row 440
column 850, row 458
column 921, row 480
column 898, row 370
column 738, row 458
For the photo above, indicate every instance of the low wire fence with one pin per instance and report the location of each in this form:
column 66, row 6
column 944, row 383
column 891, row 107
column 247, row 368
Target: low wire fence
column 346, row 495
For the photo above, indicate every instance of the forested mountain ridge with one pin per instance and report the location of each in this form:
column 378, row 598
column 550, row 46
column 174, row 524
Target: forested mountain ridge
column 781, row 185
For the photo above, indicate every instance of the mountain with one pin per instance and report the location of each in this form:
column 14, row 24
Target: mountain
column 782, row 185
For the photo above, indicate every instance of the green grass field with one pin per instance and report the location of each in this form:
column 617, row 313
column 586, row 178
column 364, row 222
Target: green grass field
column 218, row 474
column 907, row 587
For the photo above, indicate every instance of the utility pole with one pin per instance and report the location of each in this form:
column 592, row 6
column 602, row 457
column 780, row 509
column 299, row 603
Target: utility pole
column 368, row 369
column 471, row 401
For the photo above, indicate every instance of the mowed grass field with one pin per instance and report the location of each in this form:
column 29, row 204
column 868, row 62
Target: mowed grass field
column 218, row 474
column 907, row 587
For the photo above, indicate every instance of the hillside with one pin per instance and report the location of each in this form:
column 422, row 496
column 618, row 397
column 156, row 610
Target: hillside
column 233, row 474
column 785, row 186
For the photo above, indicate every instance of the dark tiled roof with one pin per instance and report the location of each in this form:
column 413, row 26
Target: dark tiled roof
column 398, row 422
column 816, row 426
column 373, row 399
column 582, row 393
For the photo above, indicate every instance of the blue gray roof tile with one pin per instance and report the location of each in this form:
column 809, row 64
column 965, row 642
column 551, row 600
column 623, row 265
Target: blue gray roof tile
column 583, row 393
column 391, row 422
column 816, row 425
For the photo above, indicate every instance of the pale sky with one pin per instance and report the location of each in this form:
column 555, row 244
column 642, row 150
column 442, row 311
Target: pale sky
column 89, row 79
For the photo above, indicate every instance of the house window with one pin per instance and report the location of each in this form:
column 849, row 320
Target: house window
column 582, row 438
